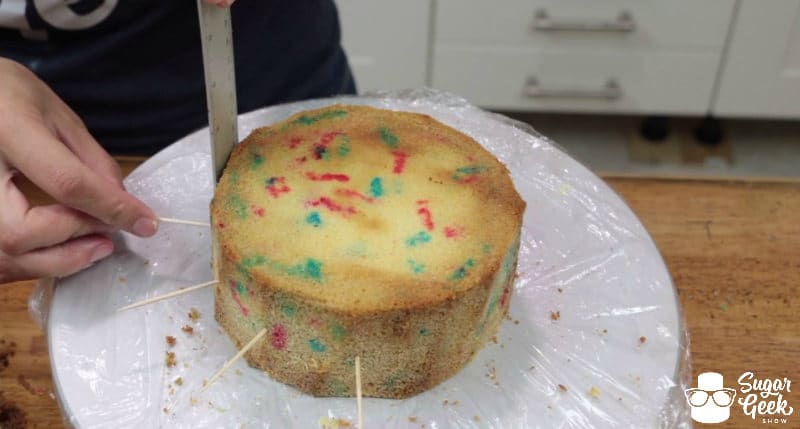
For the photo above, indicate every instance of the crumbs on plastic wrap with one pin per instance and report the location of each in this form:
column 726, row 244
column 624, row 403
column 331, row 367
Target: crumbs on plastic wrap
column 583, row 255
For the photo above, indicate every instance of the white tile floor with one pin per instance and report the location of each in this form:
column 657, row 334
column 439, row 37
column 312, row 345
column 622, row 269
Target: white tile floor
column 759, row 148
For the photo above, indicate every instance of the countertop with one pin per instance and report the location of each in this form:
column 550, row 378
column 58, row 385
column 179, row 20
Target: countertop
column 732, row 247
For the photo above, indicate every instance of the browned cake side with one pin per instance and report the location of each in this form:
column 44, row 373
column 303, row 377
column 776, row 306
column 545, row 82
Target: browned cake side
column 352, row 231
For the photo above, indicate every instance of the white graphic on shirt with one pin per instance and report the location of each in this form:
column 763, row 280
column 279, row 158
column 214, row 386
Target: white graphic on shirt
column 12, row 14
column 57, row 13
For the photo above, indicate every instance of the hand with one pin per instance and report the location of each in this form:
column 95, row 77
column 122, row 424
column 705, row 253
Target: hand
column 220, row 3
column 44, row 140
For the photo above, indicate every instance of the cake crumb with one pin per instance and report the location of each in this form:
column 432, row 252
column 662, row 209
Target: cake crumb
column 492, row 373
column 560, row 290
column 516, row 322
column 171, row 341
column 476, row 418
column 412, row 419
column 194, row 314
column 193, row 401
column 238, row 372
column 605, row 331
column 122, row 279
column 188, row 329
column 555, row 315
column 562, row 388
column 445, row 402
column 179, row 381
column 594, row 392
column 642, row 339
column 532, row 368
column 455, row 402
column 166, row 411
column 171, row 361
column 494, row 339
column 328, row 423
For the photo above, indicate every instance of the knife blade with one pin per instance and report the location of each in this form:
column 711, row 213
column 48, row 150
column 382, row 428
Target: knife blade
column 220, row 79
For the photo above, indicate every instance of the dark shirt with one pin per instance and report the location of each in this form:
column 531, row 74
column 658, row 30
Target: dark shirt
column 132, row 69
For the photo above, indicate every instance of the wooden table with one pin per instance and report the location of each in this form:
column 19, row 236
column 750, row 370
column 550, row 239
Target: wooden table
column 733, row 248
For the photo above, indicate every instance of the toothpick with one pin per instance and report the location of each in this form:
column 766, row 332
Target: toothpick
column 358, row 393
column 181, row 221
column 168, row 295
column 238, row 356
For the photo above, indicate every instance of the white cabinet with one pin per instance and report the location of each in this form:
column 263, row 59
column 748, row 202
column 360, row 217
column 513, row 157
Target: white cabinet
column 761, row 74
column 386, row 42
column 624, row 56
column 681, row 57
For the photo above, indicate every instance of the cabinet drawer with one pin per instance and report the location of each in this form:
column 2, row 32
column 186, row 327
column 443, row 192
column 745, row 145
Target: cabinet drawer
column 525, row 79
column 622, row 24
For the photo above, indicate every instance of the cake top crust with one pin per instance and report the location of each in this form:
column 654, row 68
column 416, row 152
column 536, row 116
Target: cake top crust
column 361, row 210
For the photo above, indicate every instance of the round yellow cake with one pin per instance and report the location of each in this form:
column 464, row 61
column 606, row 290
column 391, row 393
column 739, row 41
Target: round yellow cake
column 353, row 231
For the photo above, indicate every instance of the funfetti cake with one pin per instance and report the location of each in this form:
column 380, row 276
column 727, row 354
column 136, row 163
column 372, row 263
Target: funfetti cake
column 353, row 231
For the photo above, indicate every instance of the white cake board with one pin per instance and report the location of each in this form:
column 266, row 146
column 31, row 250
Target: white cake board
column 612, row 357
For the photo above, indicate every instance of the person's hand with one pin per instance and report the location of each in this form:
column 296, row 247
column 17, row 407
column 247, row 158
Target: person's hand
column 44, row 140
column 220, row 3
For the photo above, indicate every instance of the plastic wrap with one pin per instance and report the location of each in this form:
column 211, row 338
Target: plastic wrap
column 594, row 337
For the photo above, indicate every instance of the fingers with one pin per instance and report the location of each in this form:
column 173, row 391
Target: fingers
column 45, row 226
column 73, row 133
column 64, row 176
column 56, row 261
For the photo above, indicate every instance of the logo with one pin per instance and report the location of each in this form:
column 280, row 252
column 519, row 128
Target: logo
column 761, row 400
column 764, row 398
column 710, row 401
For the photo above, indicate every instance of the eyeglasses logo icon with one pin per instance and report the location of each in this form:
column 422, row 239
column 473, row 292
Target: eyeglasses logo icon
column 710, row 401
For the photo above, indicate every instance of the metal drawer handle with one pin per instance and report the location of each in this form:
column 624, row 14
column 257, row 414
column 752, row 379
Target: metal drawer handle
column 624, row 23
column 610, row 91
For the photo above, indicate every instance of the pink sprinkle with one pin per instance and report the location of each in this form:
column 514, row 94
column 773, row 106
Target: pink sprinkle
column 277, row 186
column 221, row 225
column 295, row 141
column 235, row 294
column 323, row 143
column 301, row 160
column 258, row 211
column 399, row 161
column 451, row 232
column 279, row 337
column 421, row 202
column 327, row 177
column 328, row 137
column 469, row 179
column 353, row 193
column 504, row 297
column 315, row 323
column 427, row 218
column 331, row 205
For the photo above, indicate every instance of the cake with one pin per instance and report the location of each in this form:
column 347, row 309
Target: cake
column 354, row 231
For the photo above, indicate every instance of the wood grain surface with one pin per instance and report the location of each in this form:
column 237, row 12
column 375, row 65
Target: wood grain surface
column 733, row 248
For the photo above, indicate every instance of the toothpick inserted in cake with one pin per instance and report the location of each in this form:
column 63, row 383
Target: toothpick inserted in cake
column 358, row 393
column 168, row 295
column 238, row 356
column 182, row 221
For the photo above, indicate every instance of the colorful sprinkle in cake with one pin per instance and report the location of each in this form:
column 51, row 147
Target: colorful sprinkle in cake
column 353, row 231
